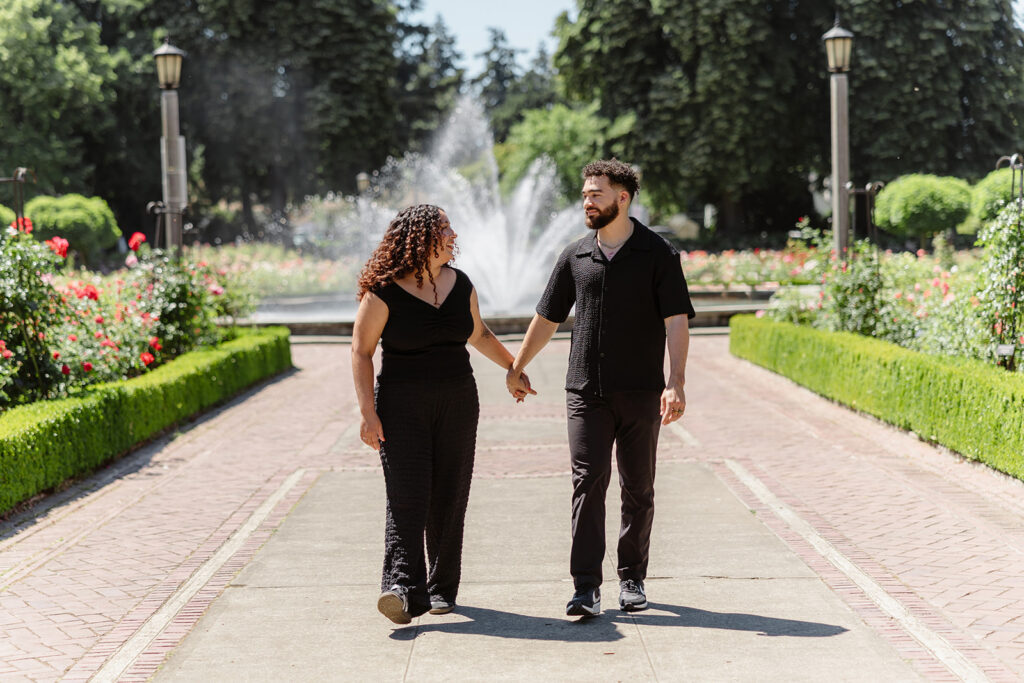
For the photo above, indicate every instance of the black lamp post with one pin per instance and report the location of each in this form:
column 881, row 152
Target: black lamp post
column 172, row 144
column 838, row 44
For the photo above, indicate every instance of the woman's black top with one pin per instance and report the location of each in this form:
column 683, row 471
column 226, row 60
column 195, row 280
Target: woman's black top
column 421, row 342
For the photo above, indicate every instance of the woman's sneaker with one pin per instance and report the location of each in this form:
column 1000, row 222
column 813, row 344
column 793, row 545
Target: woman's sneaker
column 631, row 596
column 394, row 604
column 586, row 602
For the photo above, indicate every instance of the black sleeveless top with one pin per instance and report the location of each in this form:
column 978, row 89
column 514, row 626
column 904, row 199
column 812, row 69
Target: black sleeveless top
column 424, row 343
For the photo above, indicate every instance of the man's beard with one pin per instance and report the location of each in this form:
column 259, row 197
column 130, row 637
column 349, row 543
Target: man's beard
column 603, row 217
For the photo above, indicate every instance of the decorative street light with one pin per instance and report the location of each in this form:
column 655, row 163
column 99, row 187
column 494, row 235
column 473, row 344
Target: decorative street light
column 172, row 144
column 838, row 44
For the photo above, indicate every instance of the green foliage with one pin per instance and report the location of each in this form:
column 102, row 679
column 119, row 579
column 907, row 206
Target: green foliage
column 55, row 92
column 920, row 205
column 45, row 443
column 87, row 224
column 7, row 216
column 964, row 405
column 990, row 195
column 569, row 138
column 1001, row 281
column 29, row 313
column 934, row 87
column 851, row 286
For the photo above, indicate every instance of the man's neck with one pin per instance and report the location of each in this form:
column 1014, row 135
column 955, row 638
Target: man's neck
column 616, row 232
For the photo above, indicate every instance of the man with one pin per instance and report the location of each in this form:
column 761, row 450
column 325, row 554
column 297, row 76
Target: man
column 630, row 294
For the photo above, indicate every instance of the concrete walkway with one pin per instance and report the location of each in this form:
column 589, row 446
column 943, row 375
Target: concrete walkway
column 794, row 540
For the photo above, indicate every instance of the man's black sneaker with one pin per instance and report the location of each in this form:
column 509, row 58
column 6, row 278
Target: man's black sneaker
column 631, row 595
column 441, row 606
column 586, row 602
column 394, row 604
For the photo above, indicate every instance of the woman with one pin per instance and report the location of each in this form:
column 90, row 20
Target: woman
column 423, row 415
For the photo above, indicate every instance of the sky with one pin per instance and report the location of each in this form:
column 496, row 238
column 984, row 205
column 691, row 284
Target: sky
column 527, row 23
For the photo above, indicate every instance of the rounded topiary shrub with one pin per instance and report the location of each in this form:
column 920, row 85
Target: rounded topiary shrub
column 920, row 205
column 7, row 216
column 990, row 195
column 87, row 223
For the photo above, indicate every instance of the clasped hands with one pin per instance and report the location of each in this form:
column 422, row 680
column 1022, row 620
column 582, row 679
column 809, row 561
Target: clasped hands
column 518, row 384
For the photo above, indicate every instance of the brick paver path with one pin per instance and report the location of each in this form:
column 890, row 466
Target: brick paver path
column 161, row 532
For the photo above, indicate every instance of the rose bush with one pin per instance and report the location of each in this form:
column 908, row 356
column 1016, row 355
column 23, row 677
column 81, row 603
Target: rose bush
column 63, row 331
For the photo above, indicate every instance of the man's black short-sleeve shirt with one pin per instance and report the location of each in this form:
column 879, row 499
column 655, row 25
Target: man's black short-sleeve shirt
column 618, row 337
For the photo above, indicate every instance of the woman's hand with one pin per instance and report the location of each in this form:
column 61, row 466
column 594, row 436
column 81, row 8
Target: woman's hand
column 371, row 431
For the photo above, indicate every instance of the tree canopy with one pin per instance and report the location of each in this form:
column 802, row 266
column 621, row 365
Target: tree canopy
column 731, row 97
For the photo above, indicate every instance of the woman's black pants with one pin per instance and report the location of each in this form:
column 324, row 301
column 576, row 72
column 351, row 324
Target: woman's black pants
column 427, row 455
column 630, row 420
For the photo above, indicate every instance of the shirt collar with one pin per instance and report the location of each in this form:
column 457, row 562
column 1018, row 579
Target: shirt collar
column 640, row 240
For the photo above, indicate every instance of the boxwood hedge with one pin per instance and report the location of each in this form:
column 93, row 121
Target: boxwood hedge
column 43, row 444
column 970, row 407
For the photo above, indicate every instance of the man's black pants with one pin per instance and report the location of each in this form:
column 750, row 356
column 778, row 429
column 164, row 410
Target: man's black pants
column 631, row 420
column 427, row 455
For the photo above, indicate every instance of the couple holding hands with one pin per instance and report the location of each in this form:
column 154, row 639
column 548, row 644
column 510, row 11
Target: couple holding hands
column 631, row 297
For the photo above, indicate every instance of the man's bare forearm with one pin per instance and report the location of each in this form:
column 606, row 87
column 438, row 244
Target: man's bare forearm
column 537, row 336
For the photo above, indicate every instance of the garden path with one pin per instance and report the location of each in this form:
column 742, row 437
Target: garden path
column 246, row 546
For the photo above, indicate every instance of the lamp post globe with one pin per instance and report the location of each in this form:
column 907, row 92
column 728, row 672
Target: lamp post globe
column 838, row 48
column 168, row 65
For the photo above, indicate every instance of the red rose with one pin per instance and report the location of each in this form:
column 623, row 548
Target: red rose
column 136, row 240
column 56, row 355
column 146, row 357
column 99, row 320
column 155, row 343
column 59, row 245
column 87, row 366
column 6, row 353
column 65, row 369
column 73, row 337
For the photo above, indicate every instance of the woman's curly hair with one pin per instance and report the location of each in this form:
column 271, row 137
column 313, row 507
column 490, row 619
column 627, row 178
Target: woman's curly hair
column 413, row 235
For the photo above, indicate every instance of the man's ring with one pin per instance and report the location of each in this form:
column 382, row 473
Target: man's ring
column 677, row 410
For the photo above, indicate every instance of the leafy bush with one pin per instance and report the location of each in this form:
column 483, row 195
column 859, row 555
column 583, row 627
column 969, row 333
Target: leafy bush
column 963, row 404
column 990, row 195
column 87, row 224
column 44, row 443
column 29, row 316
column 1001, row 284
column 7, row 216
column 920, row 205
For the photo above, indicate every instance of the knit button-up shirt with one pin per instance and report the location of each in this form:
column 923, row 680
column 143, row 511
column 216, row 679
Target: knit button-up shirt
column 618, row 336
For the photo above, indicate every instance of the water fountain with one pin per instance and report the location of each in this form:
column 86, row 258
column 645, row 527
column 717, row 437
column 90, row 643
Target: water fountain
column 507, row 243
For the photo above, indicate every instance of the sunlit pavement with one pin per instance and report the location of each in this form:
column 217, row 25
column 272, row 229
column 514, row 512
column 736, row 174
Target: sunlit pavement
column 794, row 540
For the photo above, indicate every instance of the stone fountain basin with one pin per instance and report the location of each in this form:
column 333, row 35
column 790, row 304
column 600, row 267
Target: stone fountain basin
column 334, row 313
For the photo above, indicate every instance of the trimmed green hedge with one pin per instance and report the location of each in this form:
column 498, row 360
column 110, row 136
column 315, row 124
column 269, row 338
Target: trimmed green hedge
column 44, row 443
column 968, row 406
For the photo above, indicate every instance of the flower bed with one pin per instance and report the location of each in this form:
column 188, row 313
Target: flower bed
column 44, row 443
column 966, row 405
column 61, row 330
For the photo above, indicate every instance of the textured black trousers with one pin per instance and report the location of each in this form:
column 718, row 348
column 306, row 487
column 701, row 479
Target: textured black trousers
column 427, row 455
column 631, row 421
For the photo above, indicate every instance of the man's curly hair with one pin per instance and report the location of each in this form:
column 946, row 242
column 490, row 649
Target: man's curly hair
column 411, row 238
column 617, row 173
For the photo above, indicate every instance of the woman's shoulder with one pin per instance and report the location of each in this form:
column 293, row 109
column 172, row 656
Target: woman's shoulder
column 385, row 290
column 460, row 277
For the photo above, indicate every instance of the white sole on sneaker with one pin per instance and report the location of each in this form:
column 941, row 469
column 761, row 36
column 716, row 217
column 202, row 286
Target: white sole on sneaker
column 584, row 611
column 393, row 607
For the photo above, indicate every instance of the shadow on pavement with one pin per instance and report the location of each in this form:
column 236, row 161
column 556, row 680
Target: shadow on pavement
column 489, row 622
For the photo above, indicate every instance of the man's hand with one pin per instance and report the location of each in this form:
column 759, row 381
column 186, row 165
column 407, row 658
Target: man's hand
column 518, row 384
column 673, row 404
